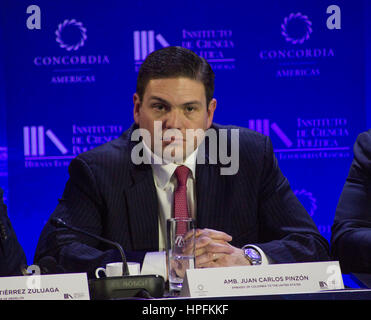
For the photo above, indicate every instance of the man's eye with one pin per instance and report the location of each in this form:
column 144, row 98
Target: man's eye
column 190, row 108
column 159, row 107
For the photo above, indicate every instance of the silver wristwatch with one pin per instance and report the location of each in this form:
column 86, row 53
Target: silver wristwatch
column 252, row 255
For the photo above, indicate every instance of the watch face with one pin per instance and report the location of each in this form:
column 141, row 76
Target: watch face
column 253, row 254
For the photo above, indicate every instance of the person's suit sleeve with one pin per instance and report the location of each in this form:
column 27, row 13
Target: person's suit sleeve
column 288, row 233
column 12, row 256
column 81, row 206
column 351, row 230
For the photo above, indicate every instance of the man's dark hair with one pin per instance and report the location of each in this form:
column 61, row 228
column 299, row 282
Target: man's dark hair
column 175, row 62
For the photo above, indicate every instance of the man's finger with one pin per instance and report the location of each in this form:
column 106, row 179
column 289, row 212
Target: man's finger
column 208, row 259
column 214, row 247
column 214, row 234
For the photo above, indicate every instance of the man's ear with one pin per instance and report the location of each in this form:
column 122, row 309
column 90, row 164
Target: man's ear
column 136, row 101
column 210, row 112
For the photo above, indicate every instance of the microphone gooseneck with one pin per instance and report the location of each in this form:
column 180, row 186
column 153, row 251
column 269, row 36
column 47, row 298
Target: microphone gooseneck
column 59, row 223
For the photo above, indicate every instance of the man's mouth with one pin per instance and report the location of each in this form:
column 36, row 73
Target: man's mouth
column 173, row 140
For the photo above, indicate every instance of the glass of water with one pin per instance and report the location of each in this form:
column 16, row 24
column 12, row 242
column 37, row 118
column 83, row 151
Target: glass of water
column 180, row 251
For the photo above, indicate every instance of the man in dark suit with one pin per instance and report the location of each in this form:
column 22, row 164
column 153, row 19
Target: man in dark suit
column 351, row 230
column 249, row 216
column 12, row 257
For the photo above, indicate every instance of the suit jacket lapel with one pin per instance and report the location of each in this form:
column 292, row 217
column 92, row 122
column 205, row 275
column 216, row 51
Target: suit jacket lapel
column 210, row 196
column 212, row 190
column 142, row 204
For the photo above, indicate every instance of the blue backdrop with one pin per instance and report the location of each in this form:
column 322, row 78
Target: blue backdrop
column 67, row 87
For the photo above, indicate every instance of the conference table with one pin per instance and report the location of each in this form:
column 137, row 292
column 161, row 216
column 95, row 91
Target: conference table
column 361, row 292
column 321, row 304
column 296, row 305
column 357, row 286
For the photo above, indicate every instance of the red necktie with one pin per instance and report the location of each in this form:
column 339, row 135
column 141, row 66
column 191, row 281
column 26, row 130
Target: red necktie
column 180, row 197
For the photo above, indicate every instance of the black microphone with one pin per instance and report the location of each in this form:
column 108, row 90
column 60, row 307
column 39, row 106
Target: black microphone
column 141, row 286
column 59, row 223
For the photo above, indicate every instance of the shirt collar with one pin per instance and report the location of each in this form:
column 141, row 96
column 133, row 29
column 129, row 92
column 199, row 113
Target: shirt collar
column 163, row 172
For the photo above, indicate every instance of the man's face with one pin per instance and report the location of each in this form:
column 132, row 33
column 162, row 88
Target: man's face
column 178, row 103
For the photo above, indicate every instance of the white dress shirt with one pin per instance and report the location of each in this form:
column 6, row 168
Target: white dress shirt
column 166, row 183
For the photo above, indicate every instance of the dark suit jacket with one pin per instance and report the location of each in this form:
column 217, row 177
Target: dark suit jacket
column 12, row 257
column 351, row 230
column 108, row 195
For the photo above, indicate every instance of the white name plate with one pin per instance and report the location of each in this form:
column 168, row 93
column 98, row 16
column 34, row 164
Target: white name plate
column 263, row 280
column 45, row 287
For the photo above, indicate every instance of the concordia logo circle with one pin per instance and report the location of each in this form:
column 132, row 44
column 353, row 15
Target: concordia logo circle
column 308, row 201
column 64, row 31
column 296, row 28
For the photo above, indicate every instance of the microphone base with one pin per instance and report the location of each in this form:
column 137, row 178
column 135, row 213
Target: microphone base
column 141, row 286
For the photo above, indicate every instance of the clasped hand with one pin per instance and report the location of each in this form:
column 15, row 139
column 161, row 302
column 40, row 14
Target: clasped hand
column 212, row 249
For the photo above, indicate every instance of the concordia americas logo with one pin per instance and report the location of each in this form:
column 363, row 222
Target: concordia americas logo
column 71, row 35
column 296, row 28
column 71, row 67
column 308, row 200
column 299, row 58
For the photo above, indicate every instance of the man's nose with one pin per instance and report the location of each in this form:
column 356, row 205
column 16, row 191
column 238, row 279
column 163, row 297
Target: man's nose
column 174, row 120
